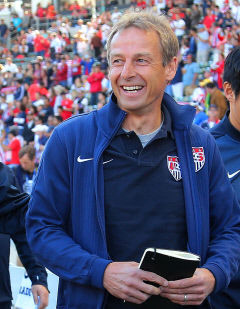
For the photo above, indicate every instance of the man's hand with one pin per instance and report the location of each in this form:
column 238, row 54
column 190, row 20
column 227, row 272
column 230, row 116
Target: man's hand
column 42, row 292
column 125, row 280
column 190, row 291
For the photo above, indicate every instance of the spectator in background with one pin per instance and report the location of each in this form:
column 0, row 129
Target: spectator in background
column 203, row 46
column 62, row 71
column 3, row 32
column 95, row 81
column 200, row 115
column 10, row 66
column 96, row 45
column 87, row 64
column 213, row 118
column 19, row 93
column 192, row 42
column 178, row 25
column 209, row 19
column 17, row 21
column 27, row 133
column 41, row 44
column 40, row 12
column 195, row 15
column 217, row 98
column 26, row 171
column 67, row 106
column 50, row 12
column 190, row 73
column 12, row 148
column 217, row 70
column 40, row 139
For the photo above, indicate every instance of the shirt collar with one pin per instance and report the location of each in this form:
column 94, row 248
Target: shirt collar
column 230, row 129
column 165, row 130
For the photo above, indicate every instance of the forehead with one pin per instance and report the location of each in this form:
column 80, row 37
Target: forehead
column 25, row 157
column 133, row 40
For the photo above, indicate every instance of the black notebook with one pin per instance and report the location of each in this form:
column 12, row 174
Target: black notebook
column 171, row 265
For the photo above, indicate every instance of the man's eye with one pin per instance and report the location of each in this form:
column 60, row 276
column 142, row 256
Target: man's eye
column 116, row 61
column 140, row 60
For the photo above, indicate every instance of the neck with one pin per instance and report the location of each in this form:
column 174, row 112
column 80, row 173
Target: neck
column 143, row 124
column 234, row 120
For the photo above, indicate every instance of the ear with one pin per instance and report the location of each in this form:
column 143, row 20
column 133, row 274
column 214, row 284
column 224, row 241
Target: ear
column 171, row 69
column 229, row 94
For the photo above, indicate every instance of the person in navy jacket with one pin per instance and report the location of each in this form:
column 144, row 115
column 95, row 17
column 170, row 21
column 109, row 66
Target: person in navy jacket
column 227, row 134
column 13, row 207
column 132, row 175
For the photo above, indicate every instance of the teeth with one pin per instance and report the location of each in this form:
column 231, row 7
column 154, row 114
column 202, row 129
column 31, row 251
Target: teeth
column 132, row 88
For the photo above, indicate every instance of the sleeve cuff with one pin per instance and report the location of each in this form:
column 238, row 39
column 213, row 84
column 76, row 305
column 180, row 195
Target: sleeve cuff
column 221, row 280
column 97, row 271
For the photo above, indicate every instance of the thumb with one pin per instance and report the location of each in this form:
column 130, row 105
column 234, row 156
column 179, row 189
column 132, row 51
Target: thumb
column 35, row 296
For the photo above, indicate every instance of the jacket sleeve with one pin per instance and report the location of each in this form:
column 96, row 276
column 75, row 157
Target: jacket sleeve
column 48, row 221
column 224, row 246
column 35, row 270
column 12, row 222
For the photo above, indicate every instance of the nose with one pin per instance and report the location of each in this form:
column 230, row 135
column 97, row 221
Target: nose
column 128, row 70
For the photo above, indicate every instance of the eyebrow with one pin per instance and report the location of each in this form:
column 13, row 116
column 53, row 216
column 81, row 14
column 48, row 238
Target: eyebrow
column 136, row 55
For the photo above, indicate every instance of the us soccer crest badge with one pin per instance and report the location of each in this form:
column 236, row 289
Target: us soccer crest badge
column 174, row 165
column 198, row 157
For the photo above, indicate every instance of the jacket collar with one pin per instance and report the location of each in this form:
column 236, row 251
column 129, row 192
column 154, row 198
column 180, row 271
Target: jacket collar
column 225, row 127
column 111, row 116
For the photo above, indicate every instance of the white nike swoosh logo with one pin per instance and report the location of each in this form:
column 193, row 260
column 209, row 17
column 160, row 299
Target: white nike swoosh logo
column 233, row 174
column 83, row 160
column 107, row 161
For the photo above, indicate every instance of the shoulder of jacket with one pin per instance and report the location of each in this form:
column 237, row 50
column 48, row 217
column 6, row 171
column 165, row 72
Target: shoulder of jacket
column 75, row 121
column 201, row 137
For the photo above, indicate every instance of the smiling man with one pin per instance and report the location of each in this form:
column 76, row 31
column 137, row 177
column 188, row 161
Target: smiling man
column 227, row 134
column 132, row 175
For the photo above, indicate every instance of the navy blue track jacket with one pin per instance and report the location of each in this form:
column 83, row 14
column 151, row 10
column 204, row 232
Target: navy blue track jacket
column 65, row 221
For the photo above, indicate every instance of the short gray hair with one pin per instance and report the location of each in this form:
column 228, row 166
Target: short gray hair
column 149, row 21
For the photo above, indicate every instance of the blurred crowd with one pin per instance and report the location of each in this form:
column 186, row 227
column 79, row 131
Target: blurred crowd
column 55, row 65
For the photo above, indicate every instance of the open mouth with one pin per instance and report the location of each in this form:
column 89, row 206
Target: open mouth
column 132, row 89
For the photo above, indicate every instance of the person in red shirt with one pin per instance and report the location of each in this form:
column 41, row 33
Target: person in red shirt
column 41, row 12
column 41, row 45
column 218, row 69
column 51, row 13
column 209, row 19
column 12, row 149
column 95, row 81
column 32, row 90
column 67, row 107
column 76, row 67
column 43, row 90
column 62, row 71
column 74, row 6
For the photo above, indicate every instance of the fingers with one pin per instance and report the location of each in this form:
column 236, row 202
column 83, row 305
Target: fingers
column 183, row 283
column 148, row 276
column 40, row 296
column 148, row 288
column 43, row 302
column 135, row 296
column 189, row 300
column 126, row 281
column 35, row 296
column 191, row 290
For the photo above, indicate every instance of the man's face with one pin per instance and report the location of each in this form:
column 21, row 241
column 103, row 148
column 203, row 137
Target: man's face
column 136, row 72
column 213, row 114
column 27, row 164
